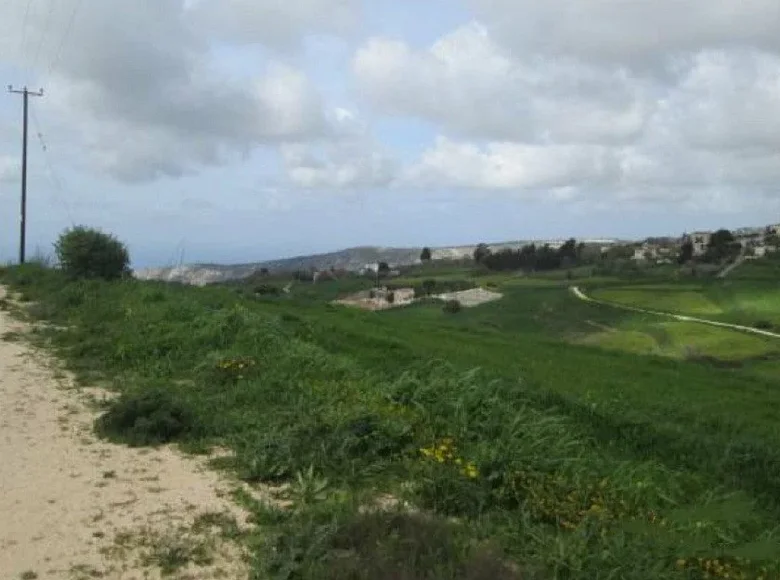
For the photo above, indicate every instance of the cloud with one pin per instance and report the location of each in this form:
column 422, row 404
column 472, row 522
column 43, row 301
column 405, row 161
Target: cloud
column 551, row 125
column 275, row 23
column 354, row 160
column 338, row 166
column 504, row 165
column 727, row 101
column 9, row 169
column 647, row 35
column 469, row 85
column 141, row 84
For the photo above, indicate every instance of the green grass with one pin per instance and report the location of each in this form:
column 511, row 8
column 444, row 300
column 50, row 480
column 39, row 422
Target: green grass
column 745, row 302
column 556, row 459
column 663, row 298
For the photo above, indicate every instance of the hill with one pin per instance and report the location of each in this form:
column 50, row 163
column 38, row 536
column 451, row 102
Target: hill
column 352, row 259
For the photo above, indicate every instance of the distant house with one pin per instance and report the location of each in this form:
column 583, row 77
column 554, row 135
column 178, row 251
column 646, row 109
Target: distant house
column 759, row 251
column 773, row 229
column 649, row 252
column 324, row 276
column 404, row 295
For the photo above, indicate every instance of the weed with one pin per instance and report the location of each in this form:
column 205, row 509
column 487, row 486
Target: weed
column 173, row 552
column 147, row 418
column 224, row 522
column 307, row 489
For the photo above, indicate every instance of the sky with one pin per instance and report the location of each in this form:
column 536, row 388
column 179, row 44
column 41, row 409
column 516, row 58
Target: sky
column 242, row 130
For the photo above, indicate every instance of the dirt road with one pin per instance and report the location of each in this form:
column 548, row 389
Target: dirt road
column 582, row 296
column 73, row 507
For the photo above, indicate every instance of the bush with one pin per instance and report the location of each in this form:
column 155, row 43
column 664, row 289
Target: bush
column 88, row 253
column 451, row 307
column 763, row 325
column 390, row 297
column 149, row 418
column 267, row 290
column 378, row 545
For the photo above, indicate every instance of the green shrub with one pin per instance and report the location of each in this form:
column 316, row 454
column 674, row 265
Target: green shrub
column 381, row 545
column 267, row 290
column 89, row 253
column 148, row 418
column 451, row 307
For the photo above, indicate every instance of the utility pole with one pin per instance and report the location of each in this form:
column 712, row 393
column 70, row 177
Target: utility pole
column 23, row 217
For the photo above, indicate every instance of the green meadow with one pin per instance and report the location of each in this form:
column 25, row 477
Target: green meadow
column 537, row 436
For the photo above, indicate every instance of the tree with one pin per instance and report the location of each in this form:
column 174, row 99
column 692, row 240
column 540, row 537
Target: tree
column 451, row 307
column 547, row 258
column 686, row 252
column 383, row 268
column 481, row 252
column 85, row 252
column 264, row 271
column 390, row 297
column 429, row 286
column 722, row 246
column 568, row 250
column 425, row 255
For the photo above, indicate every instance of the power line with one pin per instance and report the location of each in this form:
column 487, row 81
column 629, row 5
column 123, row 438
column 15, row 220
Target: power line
column 44, row 32
column 23, row 37
column 56, row 60
column 54, row 177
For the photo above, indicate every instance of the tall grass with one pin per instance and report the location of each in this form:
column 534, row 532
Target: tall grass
column 509, row 477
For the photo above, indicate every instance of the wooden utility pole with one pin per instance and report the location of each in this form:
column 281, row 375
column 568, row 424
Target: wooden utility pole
column 23, row 217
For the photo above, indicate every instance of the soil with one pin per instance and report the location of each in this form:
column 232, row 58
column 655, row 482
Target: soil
column 75, row 507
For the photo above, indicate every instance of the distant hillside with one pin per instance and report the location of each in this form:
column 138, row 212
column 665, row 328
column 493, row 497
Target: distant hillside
column 352, row 259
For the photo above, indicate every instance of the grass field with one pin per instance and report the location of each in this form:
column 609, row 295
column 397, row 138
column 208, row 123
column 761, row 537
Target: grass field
column 741, row 301
column 536, row 437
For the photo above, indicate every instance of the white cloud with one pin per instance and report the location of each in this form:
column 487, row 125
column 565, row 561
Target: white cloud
column 278, row 23
column 553, row 125
column 140, row 85
column 9, row 169
column 469, row 85
column 504, row 165
column 640, row 34
column 728, row 100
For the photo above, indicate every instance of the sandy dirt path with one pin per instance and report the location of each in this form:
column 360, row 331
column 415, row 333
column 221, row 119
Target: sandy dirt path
column 682, row 318
column 74, row 507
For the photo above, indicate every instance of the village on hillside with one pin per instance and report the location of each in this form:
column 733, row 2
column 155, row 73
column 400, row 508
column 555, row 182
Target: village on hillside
column 711, row 251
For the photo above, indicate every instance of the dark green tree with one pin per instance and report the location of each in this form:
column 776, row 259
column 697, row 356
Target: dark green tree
column 568, row 250
column 85, row 252
column 481, row 252
column 722, row 246
column 686, row 252
column 425, row 255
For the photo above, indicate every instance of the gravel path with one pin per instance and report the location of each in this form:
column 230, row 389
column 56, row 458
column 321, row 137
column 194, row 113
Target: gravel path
column 73, row 507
